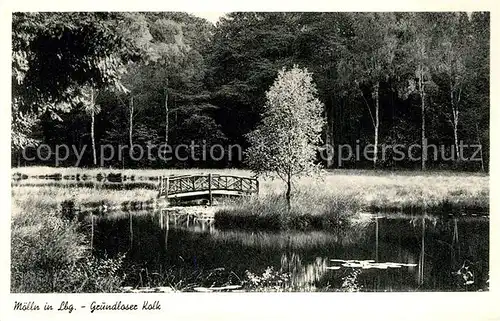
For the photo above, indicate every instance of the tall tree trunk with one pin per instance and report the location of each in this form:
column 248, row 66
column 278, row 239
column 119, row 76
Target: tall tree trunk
column 454, row 111
column 131, row 122
column 289, row 191
column 166, row 113
column 480, row 147
column 455, row 137
column 375, row 120
column 329, row 137
column 376, row 97
column 422, row 96
column 92, row 134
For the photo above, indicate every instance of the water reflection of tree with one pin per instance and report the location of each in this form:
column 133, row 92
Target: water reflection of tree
column 445, row 244
column 439, row 245
column 303, row 276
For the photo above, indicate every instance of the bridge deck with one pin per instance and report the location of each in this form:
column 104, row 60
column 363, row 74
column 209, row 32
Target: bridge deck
column 206, row 192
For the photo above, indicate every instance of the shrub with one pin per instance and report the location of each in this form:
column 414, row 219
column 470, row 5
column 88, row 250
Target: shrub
column 50, row 254
column 42, row 245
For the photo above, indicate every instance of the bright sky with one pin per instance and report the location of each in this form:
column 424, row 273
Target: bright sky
column 211, row 16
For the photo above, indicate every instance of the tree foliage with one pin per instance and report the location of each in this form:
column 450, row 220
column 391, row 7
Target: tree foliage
column 55, row 53
column 55, row 56
column 383, row 78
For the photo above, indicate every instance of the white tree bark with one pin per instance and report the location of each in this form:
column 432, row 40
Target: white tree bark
column 166, row 113
column 454, row 122
column 377, row 122
column 131, row 122
column 92, row 125
column 421, row 88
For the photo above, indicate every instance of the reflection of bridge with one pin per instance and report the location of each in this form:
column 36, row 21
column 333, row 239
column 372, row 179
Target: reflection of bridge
column 208, row 185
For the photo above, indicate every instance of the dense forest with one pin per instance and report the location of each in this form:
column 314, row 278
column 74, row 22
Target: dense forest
column 90, row 79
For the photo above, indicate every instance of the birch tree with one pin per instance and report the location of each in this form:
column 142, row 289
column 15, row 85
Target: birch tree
column 285, row 143
column 418, row 51
column 372, row 61
column 452, row 53
column 89, row 98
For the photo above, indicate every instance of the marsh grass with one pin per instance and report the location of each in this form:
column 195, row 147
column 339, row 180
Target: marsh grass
column 178, row 278
column 53, row 196
column 309, row 210
column 332, row 202
column 376, row 191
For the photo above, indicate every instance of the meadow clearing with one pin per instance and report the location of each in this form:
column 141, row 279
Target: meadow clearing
column 372, row 190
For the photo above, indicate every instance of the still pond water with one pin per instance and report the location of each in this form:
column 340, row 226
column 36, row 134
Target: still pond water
column 441, row 254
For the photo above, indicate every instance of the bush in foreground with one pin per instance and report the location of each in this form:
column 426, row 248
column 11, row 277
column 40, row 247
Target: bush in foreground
column 50, row 254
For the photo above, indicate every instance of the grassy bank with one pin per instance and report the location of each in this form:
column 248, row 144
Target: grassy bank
column 334, row 201
column 326, row 203
column 373, row 190
column 53, row 196
column 309, row 210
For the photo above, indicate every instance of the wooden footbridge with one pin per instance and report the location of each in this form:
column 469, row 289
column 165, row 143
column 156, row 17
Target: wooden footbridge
column 206, row 185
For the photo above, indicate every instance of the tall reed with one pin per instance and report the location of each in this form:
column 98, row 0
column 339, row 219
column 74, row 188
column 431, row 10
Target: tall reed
column 309, row 210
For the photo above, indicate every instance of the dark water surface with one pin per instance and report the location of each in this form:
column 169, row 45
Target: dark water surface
column 448, row 254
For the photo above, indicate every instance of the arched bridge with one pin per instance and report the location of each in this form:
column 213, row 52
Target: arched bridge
column 206, row 185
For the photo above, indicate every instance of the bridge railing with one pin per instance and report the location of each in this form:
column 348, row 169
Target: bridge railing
column 175, row 186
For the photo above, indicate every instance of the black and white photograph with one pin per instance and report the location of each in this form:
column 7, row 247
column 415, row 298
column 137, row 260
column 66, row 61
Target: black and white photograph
column 248, row 151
